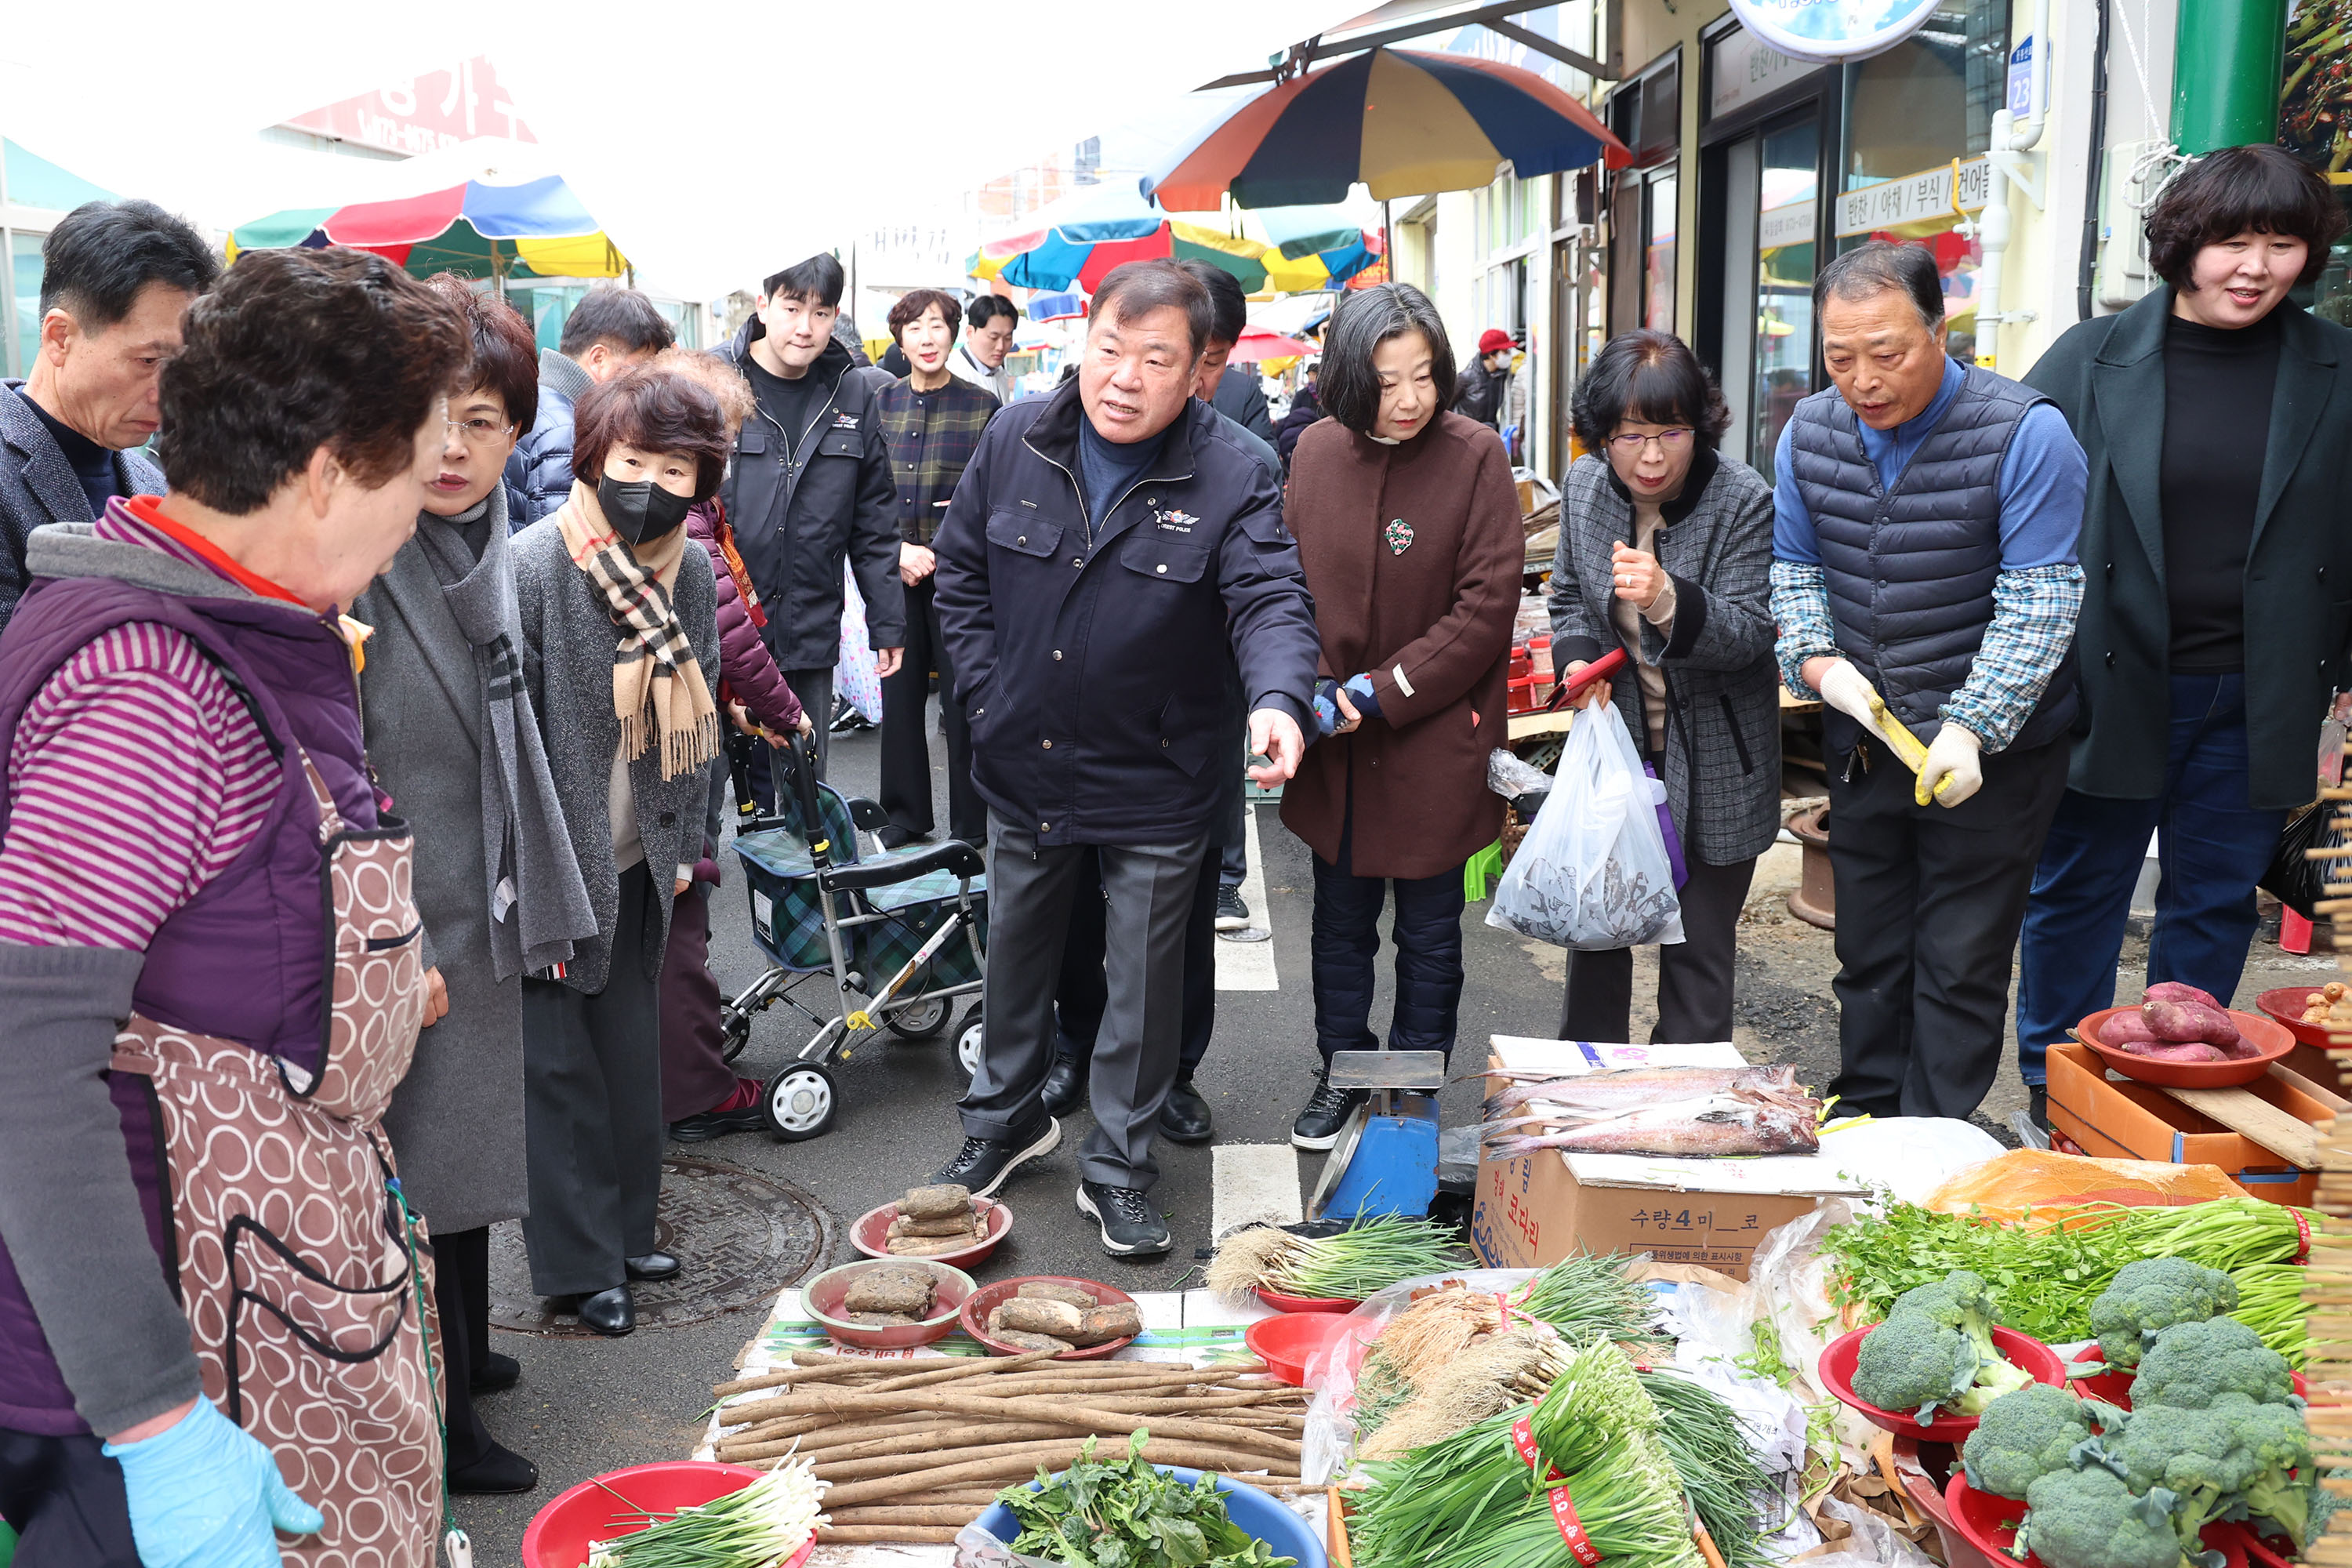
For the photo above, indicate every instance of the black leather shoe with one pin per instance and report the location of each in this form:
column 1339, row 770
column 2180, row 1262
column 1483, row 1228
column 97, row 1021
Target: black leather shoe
column 982, row 1165
column 609, row 1311
column 1065, row 1086
column 708, row 1124
column 1327, row 1111
column 498, row 1373
column 652, row 1266
column 1185, row 1116
column 499, row 1471
column 896, row 838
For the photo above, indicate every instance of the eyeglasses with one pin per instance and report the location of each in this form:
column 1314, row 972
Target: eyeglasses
column 477, row 432
column 1669, row 441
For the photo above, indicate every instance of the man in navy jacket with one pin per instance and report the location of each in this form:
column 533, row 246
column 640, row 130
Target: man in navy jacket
column 1107, row 546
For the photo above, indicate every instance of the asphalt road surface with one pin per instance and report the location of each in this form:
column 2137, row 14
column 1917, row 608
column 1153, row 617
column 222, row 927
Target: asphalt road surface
column 586, row 1405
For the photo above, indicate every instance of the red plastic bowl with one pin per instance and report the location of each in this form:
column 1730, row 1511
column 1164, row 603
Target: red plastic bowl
column 1292, row 1341
column 821, row 1298
column 1989, row 1523
column 870, row 1234
column 2273, row 1037
column 1282, row 1303
column 2028, row 1355
column 559, row 1535
column 986, row 1301
column 2284, row 1007
column 2115, row 1387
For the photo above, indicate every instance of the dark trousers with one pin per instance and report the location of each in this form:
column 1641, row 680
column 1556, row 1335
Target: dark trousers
column 696, row 1076
column 1693, row 975
column 1078, row 1003
column 64, row 1499
column 1147, row 891
column 1427, row 930
column 593, row 1112
column 906, row 744
column 461, row 1293
column 2211, row 847
column 1929, row 899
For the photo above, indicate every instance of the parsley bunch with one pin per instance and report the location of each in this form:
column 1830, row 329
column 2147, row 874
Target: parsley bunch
column 1130, row 1514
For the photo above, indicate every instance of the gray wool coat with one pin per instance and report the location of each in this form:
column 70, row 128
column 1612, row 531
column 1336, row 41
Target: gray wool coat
column 456, row 1118
column 37, row 486
column 1722, row 766
column 567, row 666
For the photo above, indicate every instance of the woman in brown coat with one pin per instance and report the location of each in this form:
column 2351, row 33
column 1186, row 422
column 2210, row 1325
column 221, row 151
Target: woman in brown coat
column 1408, row 526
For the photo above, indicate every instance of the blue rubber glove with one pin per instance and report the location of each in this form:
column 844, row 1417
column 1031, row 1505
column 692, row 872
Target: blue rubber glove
column 1326, row 709
column 203, row 1494
column 1359, row 691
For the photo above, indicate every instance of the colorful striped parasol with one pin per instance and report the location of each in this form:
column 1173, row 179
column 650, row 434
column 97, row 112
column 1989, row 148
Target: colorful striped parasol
column 537, row 228
column 1404, row 122
column 1075, row 242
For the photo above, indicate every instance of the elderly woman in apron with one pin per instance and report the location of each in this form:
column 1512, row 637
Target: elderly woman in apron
column 214, row 1308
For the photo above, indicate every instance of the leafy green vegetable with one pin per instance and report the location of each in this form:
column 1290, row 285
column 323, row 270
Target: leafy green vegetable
column 2269, row 1302
column 1130, row 1514
column 1370, row 1255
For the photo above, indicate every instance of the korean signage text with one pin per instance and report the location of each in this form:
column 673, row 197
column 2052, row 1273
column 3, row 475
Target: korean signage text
column 1923, row 198
column 425, row 114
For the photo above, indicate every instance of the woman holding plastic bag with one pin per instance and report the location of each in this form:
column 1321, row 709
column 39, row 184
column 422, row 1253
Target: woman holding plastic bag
column 1665, row 551
column 1408, row 527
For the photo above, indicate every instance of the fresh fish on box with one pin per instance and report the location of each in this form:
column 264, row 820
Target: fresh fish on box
column 1739, row 1121
column 1634, row 1086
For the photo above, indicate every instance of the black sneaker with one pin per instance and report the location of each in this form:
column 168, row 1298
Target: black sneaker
column 1232, row 913
column 1131, row 1225
column 984, row 1162
column 1327, row 1111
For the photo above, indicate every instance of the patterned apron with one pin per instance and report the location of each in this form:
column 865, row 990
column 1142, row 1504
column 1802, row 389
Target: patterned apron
column 295, row 1266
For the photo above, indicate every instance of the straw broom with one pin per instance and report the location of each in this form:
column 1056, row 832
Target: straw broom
column 2328, row 1277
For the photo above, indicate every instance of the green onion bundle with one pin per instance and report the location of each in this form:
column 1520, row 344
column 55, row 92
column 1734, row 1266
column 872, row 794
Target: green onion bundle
column 764, row 1523
column 1705, row 1442
column 2227, row 1234
column 1370, row 1255
column 1625, row 1504
column 1586, row 1295
column 2269, row 1302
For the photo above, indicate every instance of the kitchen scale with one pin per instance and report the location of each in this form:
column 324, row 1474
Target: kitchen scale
column 1385, row 1161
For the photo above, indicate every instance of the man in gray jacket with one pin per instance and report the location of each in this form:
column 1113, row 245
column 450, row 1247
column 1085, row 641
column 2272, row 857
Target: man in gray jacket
column 115, row 278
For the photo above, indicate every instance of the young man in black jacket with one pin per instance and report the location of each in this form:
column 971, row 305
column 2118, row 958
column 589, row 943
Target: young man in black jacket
column 810, row 487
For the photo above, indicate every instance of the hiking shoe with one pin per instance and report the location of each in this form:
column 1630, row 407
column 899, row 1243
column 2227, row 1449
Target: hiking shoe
column 1131, row 1225
column 984, row 1162
column 1232, row 913
column 1327, row 1111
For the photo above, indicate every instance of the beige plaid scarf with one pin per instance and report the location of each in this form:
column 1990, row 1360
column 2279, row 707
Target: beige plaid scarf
column 657, row 685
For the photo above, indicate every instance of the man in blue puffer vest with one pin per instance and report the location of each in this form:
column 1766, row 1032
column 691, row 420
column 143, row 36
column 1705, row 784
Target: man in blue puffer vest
column 1924, row 582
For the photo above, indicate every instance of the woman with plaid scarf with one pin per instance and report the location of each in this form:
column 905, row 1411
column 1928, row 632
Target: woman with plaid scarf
column 620, row 626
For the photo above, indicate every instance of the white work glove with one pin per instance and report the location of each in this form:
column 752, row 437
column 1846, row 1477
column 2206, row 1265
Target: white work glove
column 1848, row 690
column 1953, row 763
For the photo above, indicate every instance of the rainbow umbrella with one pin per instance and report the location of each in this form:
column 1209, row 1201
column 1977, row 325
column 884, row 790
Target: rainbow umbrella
column 1404, row 122
column 1310, row 248
column 1263, row 344
column 537, row 228
column 1075, row 242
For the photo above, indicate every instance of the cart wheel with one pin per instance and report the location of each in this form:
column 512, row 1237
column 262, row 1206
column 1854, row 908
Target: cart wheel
column 921, row 1019
column 734, row 1032
column 968, row 1039
column 799, row 1101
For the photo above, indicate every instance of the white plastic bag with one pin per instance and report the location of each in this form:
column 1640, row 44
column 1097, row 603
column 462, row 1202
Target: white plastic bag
column 856, row 678
column 1593, row 871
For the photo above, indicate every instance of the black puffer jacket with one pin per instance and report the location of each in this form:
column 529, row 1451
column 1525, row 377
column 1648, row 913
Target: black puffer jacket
column 797, row 519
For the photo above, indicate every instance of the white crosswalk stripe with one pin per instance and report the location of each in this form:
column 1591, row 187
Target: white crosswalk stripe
column 1254, row 1182
column 1249, row 965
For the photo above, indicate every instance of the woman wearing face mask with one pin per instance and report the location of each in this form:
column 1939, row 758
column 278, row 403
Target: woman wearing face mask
column 2217, row 418
column 456, row 741
column 1665, row 551
column 621, row 659
column 1408, row 526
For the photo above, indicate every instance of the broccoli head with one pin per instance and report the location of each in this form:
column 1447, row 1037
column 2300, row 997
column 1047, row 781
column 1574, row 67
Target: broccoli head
column 2153, row 1294
column 2024, row 1437
column 2280, row 1444
column 2187, row 1365
column 2090, row 1519
column 2201, row 1457
column 1935, row 1348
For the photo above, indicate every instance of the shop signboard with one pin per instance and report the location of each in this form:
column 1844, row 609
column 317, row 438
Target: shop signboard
column 1743, row 69
column 1777, row 227
column 423, row 113
column 1832, row 30
column 1924, row 197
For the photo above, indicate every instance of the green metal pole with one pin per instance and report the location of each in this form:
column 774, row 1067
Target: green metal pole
column 2225, row 74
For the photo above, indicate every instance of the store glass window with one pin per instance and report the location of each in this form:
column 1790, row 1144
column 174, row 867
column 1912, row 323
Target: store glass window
column 24, row 292
column 1785, row 226
column 1658, row 255
column 1912, row 115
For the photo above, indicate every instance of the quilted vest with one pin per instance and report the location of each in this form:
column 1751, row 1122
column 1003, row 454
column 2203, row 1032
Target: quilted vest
column 247, row 959
column 1910, row 571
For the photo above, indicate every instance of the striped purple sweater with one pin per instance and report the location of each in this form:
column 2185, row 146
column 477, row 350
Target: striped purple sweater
column 136, row 776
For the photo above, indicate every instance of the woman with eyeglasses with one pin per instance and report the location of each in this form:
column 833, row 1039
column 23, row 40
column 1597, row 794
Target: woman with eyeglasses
column 1665, row 551
column 455, row 743
column 1407, row 527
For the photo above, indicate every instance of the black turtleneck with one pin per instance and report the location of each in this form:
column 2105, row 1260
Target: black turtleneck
column 92, row 464
column 2217, row 416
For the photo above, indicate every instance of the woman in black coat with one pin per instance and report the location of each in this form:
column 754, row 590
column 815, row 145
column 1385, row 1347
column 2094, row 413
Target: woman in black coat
column 2217, row 418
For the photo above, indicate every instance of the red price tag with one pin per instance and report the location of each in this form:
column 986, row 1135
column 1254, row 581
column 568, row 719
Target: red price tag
column 1572, row 1529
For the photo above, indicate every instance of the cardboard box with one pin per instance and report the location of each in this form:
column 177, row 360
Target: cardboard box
column 2118, row 1120
column 1537, row 1209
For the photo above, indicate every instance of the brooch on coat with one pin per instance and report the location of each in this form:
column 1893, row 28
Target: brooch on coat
column 1398, row 534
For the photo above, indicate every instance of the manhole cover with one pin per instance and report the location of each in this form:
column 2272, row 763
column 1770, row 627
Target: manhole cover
column 743, row 1238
